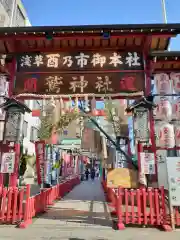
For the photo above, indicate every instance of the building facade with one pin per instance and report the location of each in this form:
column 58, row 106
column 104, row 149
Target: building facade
column 31, row 127
column 13, row 14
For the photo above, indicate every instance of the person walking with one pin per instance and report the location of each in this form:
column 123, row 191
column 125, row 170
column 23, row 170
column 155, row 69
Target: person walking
column 97, row 173
column 93, row 174
column 87, row 174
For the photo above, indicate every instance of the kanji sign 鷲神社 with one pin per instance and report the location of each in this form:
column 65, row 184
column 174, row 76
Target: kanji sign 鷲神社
column 79, row 73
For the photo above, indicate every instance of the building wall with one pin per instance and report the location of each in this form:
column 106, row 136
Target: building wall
column 5, row 12
column 20, row 15
column 13, row 13
column 31, row 127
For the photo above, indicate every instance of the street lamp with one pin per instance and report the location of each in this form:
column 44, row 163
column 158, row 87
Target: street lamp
column 140, row 110
column 15, row 111
column 13, row 134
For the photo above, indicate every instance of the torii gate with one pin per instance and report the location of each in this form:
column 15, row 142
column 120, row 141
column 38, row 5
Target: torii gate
column 81, row 61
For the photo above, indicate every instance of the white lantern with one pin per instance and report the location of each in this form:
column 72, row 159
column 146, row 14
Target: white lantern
column 176, row 109
column 163, row 110
column 175, row 77
column 165, row 135
column 156, row 129
column 162, row 83
column 177, row 135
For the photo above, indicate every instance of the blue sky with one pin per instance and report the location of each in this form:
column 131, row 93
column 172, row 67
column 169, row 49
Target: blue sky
column 84, row 12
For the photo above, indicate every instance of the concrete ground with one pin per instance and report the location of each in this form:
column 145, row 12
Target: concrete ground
column 81, row 215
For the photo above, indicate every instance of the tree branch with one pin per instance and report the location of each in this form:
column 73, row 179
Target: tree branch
column 108, row 137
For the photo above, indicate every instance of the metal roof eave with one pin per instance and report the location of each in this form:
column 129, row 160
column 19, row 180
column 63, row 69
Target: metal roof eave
column 174, row 27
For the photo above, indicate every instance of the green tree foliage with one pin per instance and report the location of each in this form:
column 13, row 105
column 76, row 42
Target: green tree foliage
column 113, row 117
column 48, row 125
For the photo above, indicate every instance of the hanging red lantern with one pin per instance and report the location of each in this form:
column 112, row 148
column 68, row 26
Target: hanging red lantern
column 175, row 77
column 163, row 110
column 176, row 109
column 165, row 135
column 177, row 135
column 162, row 83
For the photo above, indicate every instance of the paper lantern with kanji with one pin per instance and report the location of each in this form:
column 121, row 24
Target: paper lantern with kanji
column 163, row 110
column 177, row 135
column 165, row 135
column 162, row 83
column 175, row 77
column 176, row 109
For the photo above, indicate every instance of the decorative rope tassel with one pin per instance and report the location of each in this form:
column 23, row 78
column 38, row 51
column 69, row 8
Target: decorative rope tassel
column 76, row 105
column 61, row 106
column 67, row 106
column 70, row 103
column 86, row 107
column 103, row 98
column 93, row 104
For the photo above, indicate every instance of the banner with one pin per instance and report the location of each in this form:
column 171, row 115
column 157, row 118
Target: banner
column 147, row 163
column 54, row 167
column 68, row 160
column 40, row 155
column 7, row 162
column 48, row 164
column 173, row 176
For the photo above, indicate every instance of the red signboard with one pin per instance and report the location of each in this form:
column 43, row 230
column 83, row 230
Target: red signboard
column 40, row 155
column 36, row 112
column 80, row 83
column 98, row 112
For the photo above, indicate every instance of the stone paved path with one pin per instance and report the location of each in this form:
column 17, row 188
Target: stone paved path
column 81, row 215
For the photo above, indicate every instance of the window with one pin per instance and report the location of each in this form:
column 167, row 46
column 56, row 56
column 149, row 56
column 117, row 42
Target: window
column 25, row 126
column 172, row 153
column 34, row 134
column 7, row 4
column 20, row 19
column 36, row 104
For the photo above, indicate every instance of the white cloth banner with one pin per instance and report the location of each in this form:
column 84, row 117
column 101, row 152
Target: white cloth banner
column 7, row 162
column 147, row 163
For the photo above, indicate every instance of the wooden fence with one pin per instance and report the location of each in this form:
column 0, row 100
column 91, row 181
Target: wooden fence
column 143, row 207
column 17, row 207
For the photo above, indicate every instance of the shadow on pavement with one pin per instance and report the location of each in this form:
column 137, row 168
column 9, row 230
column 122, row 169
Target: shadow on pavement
column 85, row 239
column 71, row 215
column 84, row 205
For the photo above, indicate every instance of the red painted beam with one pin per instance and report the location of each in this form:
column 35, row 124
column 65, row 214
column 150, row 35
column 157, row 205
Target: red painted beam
column 147, row 63
column 10, row 45
column 160, row 148
column 86, row 71
column 75, row 49
column 95, row 112
column 35, row 97
column 166, row 61
column 160, row 70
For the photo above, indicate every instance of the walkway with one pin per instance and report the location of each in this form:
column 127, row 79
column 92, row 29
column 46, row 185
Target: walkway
column 81, row 215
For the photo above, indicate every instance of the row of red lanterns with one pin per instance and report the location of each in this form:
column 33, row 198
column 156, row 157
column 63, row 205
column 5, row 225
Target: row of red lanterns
column 167, row 109
column 167, row 83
